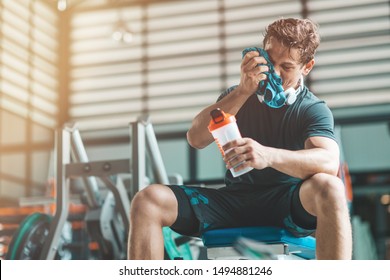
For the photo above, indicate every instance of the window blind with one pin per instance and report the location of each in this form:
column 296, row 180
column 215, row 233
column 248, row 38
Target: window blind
column 28, row 94
column 353, row 61
column 28, row 58
column 170, row 70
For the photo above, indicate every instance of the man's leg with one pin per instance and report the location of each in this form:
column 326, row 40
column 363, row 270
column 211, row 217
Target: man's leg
column 151, row 209
column 323, row 196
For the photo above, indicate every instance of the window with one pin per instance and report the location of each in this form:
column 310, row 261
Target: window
column 28, row 95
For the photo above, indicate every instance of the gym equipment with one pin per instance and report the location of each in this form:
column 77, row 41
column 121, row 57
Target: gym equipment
column 29, row 238
column 11, row 217
column 107, row 217
column 257, row 243
column 108, row 228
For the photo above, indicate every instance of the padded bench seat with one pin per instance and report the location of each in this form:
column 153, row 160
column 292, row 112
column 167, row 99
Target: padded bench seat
column 303, row 247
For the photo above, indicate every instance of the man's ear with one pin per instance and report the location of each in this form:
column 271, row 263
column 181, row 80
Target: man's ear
column 308, row 66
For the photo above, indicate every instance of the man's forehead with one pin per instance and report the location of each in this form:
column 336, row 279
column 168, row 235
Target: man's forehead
column 282, row 54
column 287, row 60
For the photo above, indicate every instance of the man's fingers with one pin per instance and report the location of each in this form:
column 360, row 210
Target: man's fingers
column 255, row 66
column 234, row 143
column 249, row 56
column 239, row 160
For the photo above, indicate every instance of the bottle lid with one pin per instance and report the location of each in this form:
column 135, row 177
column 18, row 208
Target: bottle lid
column 219, row 118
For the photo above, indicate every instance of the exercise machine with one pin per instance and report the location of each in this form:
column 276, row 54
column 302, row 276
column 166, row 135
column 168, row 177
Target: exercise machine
column 107, row 217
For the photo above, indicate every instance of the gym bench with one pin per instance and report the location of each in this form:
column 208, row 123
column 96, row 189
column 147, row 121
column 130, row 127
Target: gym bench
column 257, row 243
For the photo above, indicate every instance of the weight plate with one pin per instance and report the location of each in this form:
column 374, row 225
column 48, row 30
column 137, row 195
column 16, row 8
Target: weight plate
column 27, row 242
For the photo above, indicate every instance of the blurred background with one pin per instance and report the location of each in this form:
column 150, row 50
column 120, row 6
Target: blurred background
column 103, row 63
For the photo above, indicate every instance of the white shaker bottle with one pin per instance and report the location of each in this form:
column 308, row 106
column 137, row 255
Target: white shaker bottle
column 224, row 129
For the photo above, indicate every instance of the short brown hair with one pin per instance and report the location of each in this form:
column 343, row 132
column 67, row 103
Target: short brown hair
column 295, row 33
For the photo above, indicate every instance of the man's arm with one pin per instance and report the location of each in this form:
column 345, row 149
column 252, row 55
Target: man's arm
column 198, row 135
column 321, row 155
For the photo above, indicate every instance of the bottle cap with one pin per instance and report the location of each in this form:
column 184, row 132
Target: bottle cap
column 219, row 118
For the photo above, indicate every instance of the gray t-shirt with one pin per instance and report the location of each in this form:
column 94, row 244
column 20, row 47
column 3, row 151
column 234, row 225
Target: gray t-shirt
column 286, row 128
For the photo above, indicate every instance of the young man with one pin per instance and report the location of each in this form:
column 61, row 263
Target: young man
column 292, row 149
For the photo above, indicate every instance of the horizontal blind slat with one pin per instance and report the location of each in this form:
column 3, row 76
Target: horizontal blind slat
column 29, row 58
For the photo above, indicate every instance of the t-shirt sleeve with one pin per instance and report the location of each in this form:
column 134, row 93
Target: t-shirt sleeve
column 226, row 92
column 318, row 121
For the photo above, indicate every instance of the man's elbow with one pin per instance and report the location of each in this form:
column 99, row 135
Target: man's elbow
column 194, row 141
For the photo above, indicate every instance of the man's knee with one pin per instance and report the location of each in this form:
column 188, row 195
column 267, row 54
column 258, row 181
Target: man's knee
column 145, row 199
column 153, row 202
column 327, row 190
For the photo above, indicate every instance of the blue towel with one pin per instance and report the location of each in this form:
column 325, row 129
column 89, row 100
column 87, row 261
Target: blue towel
column 271, row 89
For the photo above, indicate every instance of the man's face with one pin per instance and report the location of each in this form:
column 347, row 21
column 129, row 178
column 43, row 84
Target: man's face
column 286, row 63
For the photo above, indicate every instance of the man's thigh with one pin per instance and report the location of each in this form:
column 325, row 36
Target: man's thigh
column 203, row 209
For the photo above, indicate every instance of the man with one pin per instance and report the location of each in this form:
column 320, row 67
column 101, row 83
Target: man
column 292, row 149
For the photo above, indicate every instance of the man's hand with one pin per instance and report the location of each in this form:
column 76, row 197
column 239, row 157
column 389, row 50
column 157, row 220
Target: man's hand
column 245, row 152
column 320, row 155
column 251, row 72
